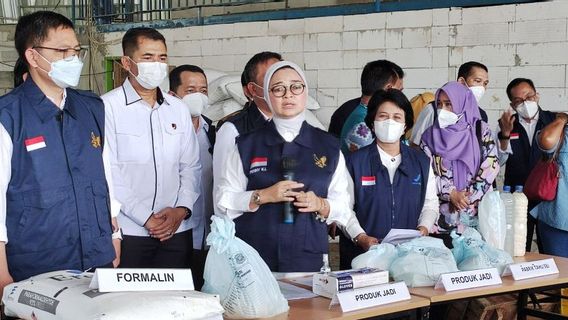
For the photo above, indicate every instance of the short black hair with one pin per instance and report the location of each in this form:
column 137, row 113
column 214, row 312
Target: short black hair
column 515, row 83
column 175, row 74
column 250, row 72
column 32, row 29
column 131, row 37
column 20, row 68
column 465, row 69
column 391, row 95
column 378, row 74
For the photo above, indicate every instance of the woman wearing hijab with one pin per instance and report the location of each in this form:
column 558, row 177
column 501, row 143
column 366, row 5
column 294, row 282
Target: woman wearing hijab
column 285, row 219
column 463, row 153
column 393, row 184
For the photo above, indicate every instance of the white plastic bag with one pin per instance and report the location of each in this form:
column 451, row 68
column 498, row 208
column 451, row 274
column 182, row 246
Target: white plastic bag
column 472, row 253
column 421, row 261
column 236, row 272
column 65, row 295
column 492, row 222
column 379, row 256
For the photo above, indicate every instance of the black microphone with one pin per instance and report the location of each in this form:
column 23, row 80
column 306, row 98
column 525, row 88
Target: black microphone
column 288, row 168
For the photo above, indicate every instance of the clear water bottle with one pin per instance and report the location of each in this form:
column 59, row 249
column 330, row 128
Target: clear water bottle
column 520, row 205
column 507, row 198
column 325, row 267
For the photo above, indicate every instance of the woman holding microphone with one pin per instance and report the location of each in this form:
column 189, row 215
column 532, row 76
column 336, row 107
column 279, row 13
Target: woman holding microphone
column 285, row 182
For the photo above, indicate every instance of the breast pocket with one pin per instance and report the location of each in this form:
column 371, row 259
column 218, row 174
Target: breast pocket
column 174, row 134
column 133, row 145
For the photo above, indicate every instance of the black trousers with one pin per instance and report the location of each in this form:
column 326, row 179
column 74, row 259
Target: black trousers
column 198, row 266
column 531, row 226
column 148, row 252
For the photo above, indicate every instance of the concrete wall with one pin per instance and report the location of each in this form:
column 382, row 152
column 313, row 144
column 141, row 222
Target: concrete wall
column 525, row 40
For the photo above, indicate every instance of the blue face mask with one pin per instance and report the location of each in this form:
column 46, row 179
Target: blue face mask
column 65, row 72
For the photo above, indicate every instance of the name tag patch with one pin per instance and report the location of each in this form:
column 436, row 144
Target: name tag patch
column 258, row 164
column 368, row 180
column 34, row 143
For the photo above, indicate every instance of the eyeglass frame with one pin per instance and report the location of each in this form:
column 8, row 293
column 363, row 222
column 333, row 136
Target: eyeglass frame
column 303, row 86
column 77, row 50
column 518, row 101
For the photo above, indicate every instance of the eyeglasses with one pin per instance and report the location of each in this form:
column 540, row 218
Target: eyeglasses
column 517, row 101
column 64, row 53
column 280, row 90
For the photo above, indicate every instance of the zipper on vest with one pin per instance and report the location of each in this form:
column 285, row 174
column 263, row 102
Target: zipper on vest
column 154, row 159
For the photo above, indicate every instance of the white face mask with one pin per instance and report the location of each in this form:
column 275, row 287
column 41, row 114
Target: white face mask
column 527, row 109
column 65, row 72
column 478, row 92
column 446, row 118
column 388, row 131
column 151, row 74
column 196, row 102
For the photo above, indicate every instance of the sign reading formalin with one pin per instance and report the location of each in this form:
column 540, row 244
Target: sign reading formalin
column 372, row 296
column 468, row 279
column 131, row 279
column 531, row 269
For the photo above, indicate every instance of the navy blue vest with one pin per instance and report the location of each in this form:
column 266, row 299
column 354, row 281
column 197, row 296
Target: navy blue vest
column 525, row 155
column 58, row 213
column 245, row 120
column 380, row 205
column 287, row 247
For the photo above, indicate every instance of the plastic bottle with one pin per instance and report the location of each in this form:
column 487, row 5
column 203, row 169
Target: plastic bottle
column 507, row 198
column 520, row 204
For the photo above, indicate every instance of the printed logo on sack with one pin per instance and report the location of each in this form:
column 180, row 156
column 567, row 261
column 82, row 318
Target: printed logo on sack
column 34, row 143
column 258, row 164
column 418, row 180
column 368, row 181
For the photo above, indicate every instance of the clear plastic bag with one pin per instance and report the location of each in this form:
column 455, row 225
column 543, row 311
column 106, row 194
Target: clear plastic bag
column 379, row 256
column 492, row 222
column 472, row 253
column 421, row 261
column 237, row 273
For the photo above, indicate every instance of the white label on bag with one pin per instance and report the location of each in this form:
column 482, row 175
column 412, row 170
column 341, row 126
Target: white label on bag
column 131, row 279
column 469, row 279
column 531, row 269
column 372, row 296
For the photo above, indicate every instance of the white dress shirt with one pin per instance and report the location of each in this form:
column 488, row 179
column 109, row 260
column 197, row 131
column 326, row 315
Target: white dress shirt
column 529, row 129
column 153, row 154
column 224, row 142
column 203, row 208
column 234, row 199
column 6, row 149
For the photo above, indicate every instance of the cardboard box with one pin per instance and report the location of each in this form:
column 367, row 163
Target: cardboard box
column 331, row 283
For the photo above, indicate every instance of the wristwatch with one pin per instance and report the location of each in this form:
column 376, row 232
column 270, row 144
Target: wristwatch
column 117, row 234
column 500, row 136
column 187, row 212
column 256, row 197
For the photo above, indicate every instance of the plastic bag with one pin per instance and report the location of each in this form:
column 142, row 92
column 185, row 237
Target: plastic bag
column 472, row 253
column 379, row 256
column 492, row 223
column 236, row 272
column 65, row 295
column 421, row 261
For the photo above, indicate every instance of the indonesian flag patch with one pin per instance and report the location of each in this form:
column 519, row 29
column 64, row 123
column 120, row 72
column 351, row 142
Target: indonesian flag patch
column 34, row 143
column 514, row 136
column 368, row 181
column 258, row 162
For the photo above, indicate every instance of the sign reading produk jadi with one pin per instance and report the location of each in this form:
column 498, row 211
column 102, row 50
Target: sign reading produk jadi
column 372, row 296
column 469, row 279
column 113, row 280
column 531, row 269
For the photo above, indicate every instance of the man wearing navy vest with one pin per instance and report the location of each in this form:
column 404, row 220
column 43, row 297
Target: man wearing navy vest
column 254, row 115
column 54, row 199
column 517, row 145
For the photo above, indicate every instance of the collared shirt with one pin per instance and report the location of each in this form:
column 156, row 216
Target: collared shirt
column 203, row 208
column 224, row 143
column 6, row 149
column 529, row 127
column 234, row 199
column 153, row 156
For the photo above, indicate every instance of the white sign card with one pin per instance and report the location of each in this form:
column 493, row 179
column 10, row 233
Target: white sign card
column 371, row 296
column 131, row 279
column 468, row 279
column 531, row 269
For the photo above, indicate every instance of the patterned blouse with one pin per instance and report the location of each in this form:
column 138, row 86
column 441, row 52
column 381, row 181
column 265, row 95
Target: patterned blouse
column 480, row 184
